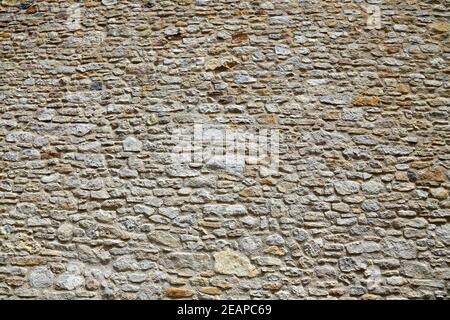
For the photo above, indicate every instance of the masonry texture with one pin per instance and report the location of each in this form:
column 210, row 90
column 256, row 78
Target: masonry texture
column 92, row 207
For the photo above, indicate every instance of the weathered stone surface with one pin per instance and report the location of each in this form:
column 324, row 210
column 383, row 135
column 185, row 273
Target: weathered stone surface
column 165, row 238
column 359, row 247
column 69, row 281
column 65, row 232
column 225, row 209
column 399, row 248
column 347, row 187
column 235, row 263
column 41, row 277
column 132, row 144
column 139, row 139
column 443, row 233
column 194, row 261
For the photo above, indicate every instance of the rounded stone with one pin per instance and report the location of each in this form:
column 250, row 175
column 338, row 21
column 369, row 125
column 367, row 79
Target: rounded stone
column 109, row 2
column 65, row 232
column 41, row 278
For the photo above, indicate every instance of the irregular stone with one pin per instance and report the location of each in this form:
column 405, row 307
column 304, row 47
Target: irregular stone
column 244, row 79
column 336, row 100
column 69, row 281
column 41, row 277
column 165, row 238
column 439, row 193
column 178, row 293
column 65, row 232
column 109, row 2
column 366, row 101
column 443, row 233
column 440, row 26
column 225, row 209
column 399, row 248
column 346, row 187
column 234, row 263
column 188, row 260
column 372, row 187
column 359, row 247
column 132, row 144
column 181, row 171
column 414, row 269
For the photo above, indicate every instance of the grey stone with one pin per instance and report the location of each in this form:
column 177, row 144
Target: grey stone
column 443, row 233
column 346, row 187
column 336, row 100
column 399, row 248
column 225, row 209
column 244, row 79
column 189, row 260
column 359, row 247
column 372, row 187
column 69, row 281
column 41, row 277
column 132, row 144
column 109, row 2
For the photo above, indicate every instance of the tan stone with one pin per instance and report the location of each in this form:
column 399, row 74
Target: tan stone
column 440, row 26
column 275, row 250
column 211, row 290
column 165, row 238
column 234, row 263
column 439, row 193
column 366, row 101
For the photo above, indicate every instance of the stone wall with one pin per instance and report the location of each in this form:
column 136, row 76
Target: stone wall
column 92, row 207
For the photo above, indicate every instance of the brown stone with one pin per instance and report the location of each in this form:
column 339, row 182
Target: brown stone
column 240, row 37
column 32, row 10
column 178, row 293
column 5, row 34
column 366, row 101
column 433, row 175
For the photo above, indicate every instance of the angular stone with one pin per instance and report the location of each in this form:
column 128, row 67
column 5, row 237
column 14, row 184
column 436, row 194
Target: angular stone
column 359, row 247
column 165, row 238
column 234, row 263
column 440, row 26
column 181, row 171
column 415, row 269
column 443, row 233
column 225, row 209
column 189, row 260
column 244, row 79
column 366, row 101
column 396, row 151
column 399, row 248
column 336, row 100
column 132, row 144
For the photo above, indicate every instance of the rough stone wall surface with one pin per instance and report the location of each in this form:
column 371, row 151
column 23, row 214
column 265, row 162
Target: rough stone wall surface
column 91, row 206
